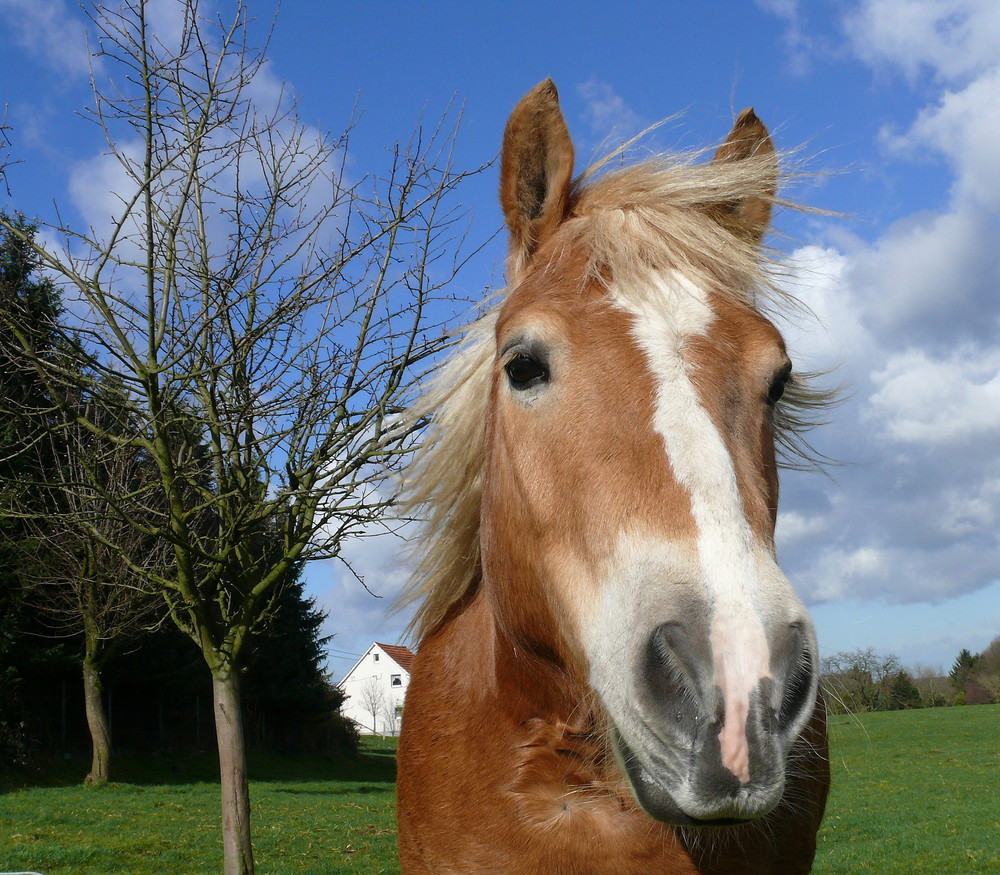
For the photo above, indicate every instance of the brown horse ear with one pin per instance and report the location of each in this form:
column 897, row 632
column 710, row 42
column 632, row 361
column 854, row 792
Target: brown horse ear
column 536, row 166
column 749, row 217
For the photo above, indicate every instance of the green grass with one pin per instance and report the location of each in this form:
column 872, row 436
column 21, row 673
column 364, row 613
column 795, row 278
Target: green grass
column 914, row 792
column 161, row 815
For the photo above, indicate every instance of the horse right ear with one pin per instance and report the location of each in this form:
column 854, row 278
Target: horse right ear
column 536, row 167
column 749, row 139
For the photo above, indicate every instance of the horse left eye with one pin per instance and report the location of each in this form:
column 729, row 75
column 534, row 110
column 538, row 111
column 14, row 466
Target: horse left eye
column 778, row 385
column 525, row 372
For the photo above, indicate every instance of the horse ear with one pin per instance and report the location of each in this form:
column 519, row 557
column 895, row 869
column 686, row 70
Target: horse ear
column 750, row 216
column 536, row 167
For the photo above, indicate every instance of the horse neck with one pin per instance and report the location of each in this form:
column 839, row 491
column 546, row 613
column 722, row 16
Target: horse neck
column 505, row 676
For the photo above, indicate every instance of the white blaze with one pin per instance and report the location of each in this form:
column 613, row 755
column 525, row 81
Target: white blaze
column 733, row 566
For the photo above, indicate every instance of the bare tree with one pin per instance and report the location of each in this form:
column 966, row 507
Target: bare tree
column 391, row 717
column 991, row 685
column 373, row 700
column 267, row 322
column 932, row 682
column 859, row 680
column 5, row 161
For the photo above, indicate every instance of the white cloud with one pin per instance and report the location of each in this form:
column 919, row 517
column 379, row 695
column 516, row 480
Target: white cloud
column 835, row 573
column 801, row 46
column 166, row 20
column 792, row 526
column 98, row 186
column 52, row 30
column 949, row 39
column 964, row 127
column 926, row 273
column 967, row 512
column 913, row 318
column 939, row 401
column 833, row 328
column 269, row 90
column 607, row 113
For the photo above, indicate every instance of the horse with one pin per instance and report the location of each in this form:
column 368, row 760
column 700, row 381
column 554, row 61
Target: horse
column 613, row 675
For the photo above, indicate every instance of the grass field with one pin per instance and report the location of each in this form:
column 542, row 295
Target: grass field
column 161, row 817
column 914, row 792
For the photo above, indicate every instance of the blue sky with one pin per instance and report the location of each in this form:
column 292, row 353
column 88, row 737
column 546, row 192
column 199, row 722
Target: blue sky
column 895, row 104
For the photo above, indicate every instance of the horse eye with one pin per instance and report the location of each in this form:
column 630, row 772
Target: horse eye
column 525, row 372
column 778, row 385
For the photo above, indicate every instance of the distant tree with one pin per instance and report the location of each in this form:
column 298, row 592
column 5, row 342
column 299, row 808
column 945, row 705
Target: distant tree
column 991, row 686
column 987, row 672
column 962, row 670
column 989, row 659
column 975, row 693
column 902, row 693
column 268, row 323
column 933, row 685
column 859, row 680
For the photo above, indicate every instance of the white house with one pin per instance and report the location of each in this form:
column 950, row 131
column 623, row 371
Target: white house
column 375, row 688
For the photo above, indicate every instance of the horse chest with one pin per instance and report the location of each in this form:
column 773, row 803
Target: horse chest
column 482, row 789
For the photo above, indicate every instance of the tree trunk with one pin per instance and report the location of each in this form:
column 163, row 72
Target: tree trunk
column 97, row 722
column 237, row 850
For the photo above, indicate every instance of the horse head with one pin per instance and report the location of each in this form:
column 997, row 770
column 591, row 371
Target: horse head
column 629, row 479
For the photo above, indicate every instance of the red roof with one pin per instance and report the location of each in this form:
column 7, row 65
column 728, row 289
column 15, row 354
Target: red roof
column 403, row 656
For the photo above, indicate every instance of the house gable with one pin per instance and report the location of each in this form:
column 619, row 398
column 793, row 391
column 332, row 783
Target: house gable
column 375, row 688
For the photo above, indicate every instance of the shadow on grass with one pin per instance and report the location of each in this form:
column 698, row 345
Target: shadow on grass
column 353, row 790
column 374, row 763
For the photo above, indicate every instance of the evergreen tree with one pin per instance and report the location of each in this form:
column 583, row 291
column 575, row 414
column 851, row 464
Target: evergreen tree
column 55, row 479
column 291, row 706
column 29, row 311
column 902, row 693
column 963, row 669
column 29, row 308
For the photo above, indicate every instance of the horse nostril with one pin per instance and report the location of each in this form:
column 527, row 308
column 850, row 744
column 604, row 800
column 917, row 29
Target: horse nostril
column 664, row 642
column 672, row 671
column 799, row 682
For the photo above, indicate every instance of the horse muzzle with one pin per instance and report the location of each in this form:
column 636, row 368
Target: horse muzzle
column 684, row 764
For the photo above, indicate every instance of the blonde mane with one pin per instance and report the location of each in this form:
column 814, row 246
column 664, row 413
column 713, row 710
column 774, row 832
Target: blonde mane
column 669, row 212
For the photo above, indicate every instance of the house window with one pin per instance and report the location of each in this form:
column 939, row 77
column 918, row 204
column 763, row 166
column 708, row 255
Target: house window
column 374, row 657
column 396, row 680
